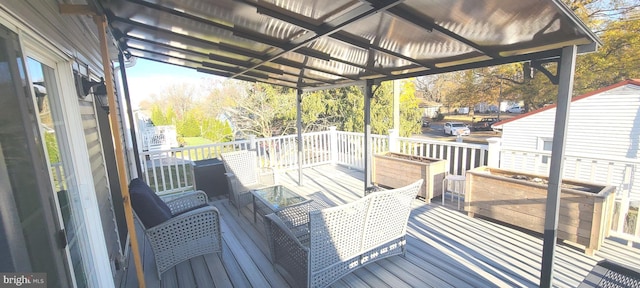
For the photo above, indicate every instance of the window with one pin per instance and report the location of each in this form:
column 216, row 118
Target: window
column 545, row 144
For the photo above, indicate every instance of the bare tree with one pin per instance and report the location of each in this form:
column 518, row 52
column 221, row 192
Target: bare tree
column 181, row 97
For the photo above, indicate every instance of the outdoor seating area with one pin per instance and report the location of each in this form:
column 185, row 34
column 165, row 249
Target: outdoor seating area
column 178, row 229
column 444, row 248
column 340, row 239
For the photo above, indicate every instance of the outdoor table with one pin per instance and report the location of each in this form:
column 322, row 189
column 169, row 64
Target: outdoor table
column 273, row 199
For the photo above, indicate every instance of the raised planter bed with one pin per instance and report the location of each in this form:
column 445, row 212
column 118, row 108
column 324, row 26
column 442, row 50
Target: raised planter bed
column 395, row 170
column 520, row 199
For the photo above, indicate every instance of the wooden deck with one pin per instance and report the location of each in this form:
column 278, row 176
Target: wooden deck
column 445, row 249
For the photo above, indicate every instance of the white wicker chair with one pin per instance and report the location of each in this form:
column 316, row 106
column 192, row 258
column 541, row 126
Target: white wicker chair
column 194, row 230
column 243, row 175
column 337, row 240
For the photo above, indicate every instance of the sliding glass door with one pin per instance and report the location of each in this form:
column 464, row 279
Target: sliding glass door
column 34, row 239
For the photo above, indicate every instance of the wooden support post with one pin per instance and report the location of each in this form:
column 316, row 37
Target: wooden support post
column 76, row 9
column 101, row 22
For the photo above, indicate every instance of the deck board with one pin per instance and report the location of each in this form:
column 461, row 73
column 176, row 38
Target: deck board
column 231, row 265
column 445, row 248
column 220, row 277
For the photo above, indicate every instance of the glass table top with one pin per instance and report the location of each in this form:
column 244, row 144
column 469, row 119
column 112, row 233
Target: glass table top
column 278, row 196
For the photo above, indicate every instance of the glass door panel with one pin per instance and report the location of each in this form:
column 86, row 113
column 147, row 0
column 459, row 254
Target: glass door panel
column 28, row 219
column 53, row 135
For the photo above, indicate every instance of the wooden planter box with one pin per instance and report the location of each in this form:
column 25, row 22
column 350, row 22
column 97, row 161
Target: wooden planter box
column 394, row 170
column 585, row 208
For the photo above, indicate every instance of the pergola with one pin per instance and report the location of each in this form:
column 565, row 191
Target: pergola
column 321, row 44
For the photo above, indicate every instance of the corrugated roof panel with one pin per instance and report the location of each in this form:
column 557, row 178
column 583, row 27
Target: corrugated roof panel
column 344, row 40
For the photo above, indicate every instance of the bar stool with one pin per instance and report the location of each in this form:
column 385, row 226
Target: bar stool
column 456, row 182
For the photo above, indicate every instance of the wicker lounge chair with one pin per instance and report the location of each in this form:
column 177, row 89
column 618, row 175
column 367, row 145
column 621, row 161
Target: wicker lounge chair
column 193, row 227
column 337, row 240
column 243, row 175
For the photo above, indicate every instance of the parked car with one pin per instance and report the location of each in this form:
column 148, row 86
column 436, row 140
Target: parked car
column 484, row 124
column 456, row 128
column 425, row 122
column 515, row 109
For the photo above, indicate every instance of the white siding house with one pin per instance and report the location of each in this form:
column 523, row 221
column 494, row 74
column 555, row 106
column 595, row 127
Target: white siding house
column 602, row 143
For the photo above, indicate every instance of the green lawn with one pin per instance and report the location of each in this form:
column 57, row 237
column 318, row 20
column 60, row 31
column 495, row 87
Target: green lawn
column 195, row 141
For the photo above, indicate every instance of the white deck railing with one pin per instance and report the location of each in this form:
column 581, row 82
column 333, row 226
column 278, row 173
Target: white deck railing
column 171, row 170
column 59, row 181
column 158, row 137
column 461, row 156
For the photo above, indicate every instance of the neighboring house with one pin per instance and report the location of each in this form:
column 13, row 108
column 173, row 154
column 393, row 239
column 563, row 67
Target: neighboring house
column 429, row 108
column 431, row 111
column 505, row 105
column 151, row 137
column 602, row 138
column 485, row 108
column 61, row 210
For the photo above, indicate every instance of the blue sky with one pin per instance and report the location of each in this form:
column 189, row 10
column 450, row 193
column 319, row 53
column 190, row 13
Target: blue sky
column 150, row 77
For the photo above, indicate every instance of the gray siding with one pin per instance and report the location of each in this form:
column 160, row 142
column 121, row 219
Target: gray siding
column 75, row 35
column 100, row 179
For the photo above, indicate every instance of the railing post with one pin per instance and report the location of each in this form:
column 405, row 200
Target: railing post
column 393, row 140
column 494, row 152
column 252, row 142
column 333, row 144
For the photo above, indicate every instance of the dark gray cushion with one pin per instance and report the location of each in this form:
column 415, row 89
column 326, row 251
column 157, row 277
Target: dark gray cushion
column 148, row 206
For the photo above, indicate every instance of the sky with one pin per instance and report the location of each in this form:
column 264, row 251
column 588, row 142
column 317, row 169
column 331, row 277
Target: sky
column 150, row 77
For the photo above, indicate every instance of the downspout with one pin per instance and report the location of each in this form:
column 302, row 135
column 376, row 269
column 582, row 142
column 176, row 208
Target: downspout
column 565, row 89
column 130, row 139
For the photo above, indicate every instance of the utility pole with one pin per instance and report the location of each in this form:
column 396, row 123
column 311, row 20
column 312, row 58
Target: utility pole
column 500, row 97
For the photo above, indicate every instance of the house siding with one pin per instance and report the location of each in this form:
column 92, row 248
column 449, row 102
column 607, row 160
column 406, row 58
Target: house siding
column 73, row 35
column 604, row 126
column 76, row 35
column 100, row 179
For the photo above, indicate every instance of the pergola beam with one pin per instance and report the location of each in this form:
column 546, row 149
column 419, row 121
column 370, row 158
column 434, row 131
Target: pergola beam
column 246, row 34
column 223, row 47
column 307, row 23
column 328, row 29
column 402, row 12
column 76, row 9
